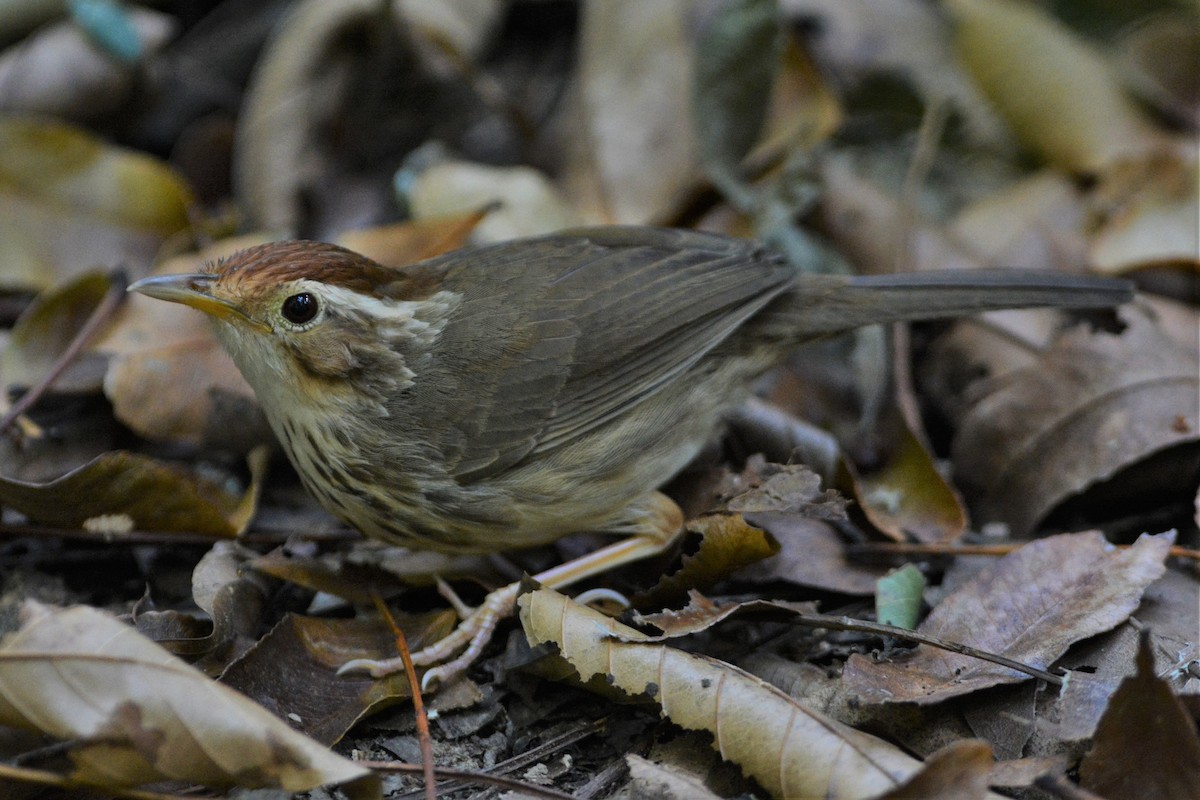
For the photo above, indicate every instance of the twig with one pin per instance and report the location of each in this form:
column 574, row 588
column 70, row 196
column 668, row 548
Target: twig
column 97, row 319
column 474, row 777
column 950, row 550
column 861, row 626
column 422, row 719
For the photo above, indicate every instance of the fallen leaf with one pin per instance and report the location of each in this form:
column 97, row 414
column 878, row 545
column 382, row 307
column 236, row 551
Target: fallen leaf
column 299, row 83
column 1030, row 606
column 702, row 613
column 727, row 543
column 663, row 782
column 790, row 750
column 1146, row 746
column 813, row 554
column 1092, row 405
column 1081, row 121
column 959, row 771
column 527, row 204
column 135, row 714
column 635, row 146
column 293, row 669
column 905, row 496
column 415, row 240
column 168, row 377
column 145, row 493
column 1149, row 214
column 69, row 203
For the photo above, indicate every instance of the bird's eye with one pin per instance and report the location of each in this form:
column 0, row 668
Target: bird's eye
column 300, row 308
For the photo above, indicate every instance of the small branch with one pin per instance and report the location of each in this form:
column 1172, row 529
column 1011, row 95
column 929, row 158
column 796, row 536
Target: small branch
column 502, row 782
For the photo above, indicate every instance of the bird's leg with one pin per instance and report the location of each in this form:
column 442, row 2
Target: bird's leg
column 654, row 524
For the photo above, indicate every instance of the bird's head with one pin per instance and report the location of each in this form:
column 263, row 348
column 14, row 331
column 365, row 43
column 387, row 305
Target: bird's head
column 313, row 317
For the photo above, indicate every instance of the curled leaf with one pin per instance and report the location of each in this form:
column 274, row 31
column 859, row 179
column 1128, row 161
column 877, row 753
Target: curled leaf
column 136, row 714
column 791, row 750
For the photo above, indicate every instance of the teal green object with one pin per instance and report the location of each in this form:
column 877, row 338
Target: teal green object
column 108, row 25
column 898, row 597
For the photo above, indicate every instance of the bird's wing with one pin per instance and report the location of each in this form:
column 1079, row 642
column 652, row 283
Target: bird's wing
column 556, row 336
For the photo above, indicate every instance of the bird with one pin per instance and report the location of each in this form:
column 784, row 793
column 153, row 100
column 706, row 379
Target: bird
column 505, row 395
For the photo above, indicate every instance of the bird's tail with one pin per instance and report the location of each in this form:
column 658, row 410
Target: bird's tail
column 825, row 304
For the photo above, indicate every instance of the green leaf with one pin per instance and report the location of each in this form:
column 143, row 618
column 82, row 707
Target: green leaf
column 898, row 597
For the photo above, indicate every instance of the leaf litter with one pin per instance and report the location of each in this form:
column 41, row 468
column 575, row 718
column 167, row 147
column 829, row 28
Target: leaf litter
column 408, row 132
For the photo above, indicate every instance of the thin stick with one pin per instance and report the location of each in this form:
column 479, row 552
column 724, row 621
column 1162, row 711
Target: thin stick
column 918, row 549
column 99, row 316
column 43, row 777
column 467, row 775
column 422, row 719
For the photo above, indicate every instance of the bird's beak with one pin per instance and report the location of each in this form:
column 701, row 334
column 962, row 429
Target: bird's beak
column 193, row 290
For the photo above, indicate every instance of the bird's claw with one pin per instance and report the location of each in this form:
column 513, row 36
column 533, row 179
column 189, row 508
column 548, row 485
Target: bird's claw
column 473, row 634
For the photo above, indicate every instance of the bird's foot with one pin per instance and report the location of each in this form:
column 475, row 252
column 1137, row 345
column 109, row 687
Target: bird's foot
column 471, row 636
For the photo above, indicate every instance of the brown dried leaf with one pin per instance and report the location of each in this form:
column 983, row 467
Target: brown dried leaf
column 169, row 379
column 1030, row 607
column 136, row 714
column 790, row 750
column 415, row 240
column 812, row 553
column 665, row 782
column 905, row 495
column 1149, row 217
column 120, row 491
column 1146, row 746
column 958, row 771
column 702, row 613
column 1093, row 404
column 727, row 543
column 293, row 669
column 69, row 202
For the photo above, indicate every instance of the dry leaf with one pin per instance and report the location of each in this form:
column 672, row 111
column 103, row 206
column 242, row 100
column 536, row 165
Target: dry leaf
column 120, row 491
column 812, row 553
column 633, row 137
column 702, row 613
column 727, row 544
column 299, row 82
column 790, row 750
column 1149, row 217
column 1146, row 745
column 959, row 771
column 293, row 669
column 1079, row 120
column 135, row 714
column 1093, row 405
column 70, row 203
column 905, row 495
column 409, row 242
column 663, row 782
column 1029, row 606
column 168, row 377
column 527, row 203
